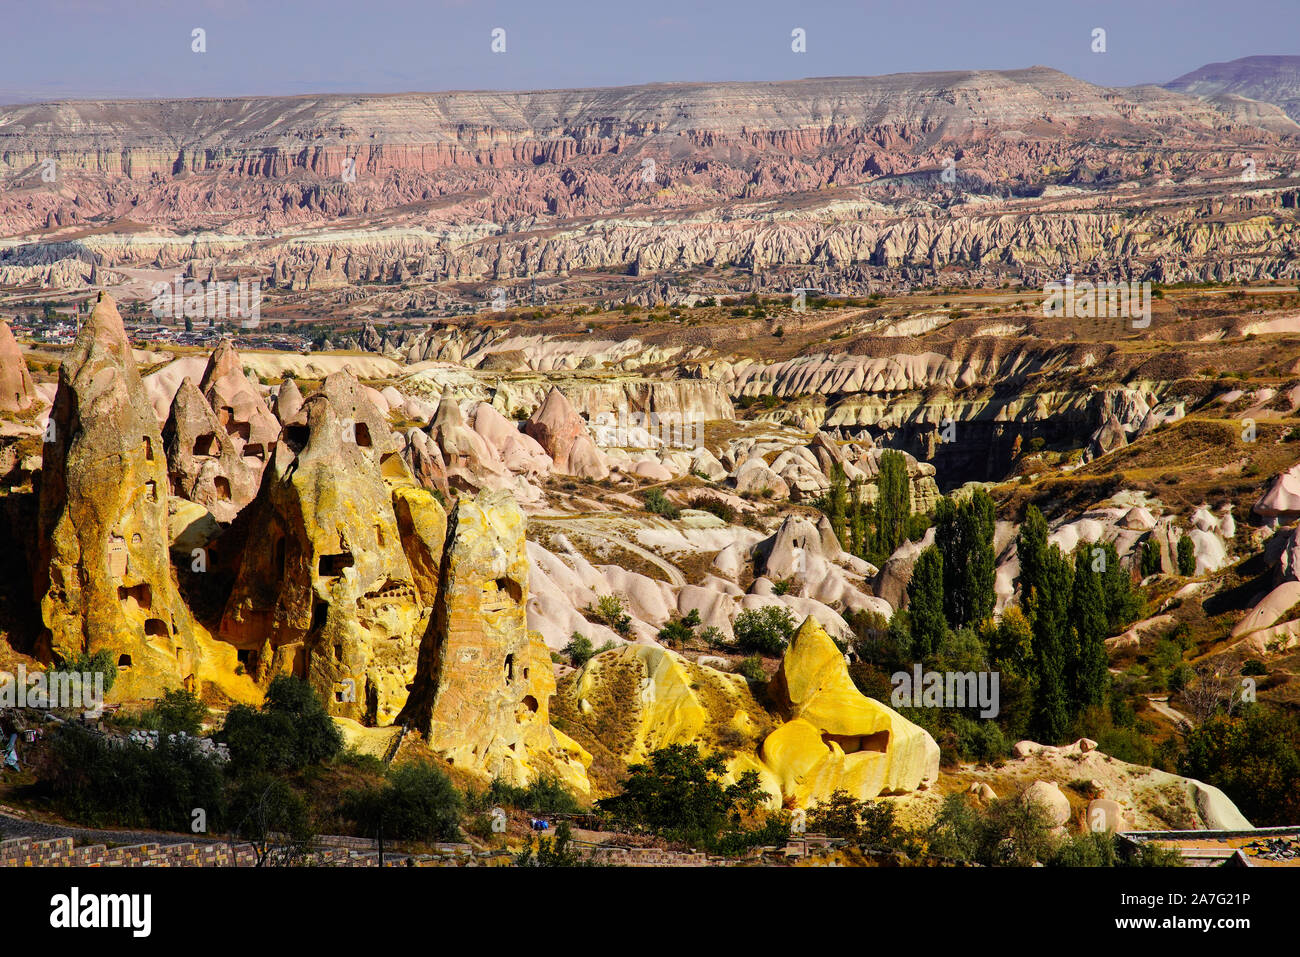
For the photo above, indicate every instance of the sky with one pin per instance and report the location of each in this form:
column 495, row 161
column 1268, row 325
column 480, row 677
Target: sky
column 53, row 49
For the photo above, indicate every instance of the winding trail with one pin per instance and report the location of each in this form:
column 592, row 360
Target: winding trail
column 675, row 577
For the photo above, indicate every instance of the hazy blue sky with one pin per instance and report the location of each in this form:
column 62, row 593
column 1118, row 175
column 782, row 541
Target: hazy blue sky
column 112, row 48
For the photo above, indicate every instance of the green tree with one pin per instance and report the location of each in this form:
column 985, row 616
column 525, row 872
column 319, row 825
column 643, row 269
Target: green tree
column 1010, row 642
column 1123, row 602
column 1089, row 674
column 1254, row 758
column 765, row 630
column 1186, row 556
column 928, row 624
column 274, row 818
column 1050, row 623
column 290, row 731
column 1150, row 557
column 1031, row 549
column 417, row 802
column 679, row 794
column 894, row 504
column 837, row 503
column 964, row 534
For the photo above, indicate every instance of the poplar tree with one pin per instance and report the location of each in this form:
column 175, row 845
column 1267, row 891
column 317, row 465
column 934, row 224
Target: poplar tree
column 925, row 604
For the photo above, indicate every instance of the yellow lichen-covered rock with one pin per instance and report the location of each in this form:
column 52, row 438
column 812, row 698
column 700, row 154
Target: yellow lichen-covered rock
column 640, row 698
column 835, row 737
column 105, row 579
column 326, row 588
column 484, row 685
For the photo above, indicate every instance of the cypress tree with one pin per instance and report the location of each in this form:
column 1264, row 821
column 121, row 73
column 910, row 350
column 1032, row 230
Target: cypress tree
column 894, row 506
column 1031, row 547
column 925, row 604
column 1049, row 606
column 1090, row 679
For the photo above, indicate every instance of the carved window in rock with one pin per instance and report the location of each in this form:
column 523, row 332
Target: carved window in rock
column 510, row 668
column 361, row 432
column 207, row 446
column 148, row 449
column 141, row 595
column 221, row 485
column 155, row 628
column 331, row 566
column 853, row 743
column 123, row 662
column 151, row 491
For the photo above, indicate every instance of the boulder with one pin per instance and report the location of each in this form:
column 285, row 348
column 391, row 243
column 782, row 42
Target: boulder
column 836, row 738
column 1051, row 800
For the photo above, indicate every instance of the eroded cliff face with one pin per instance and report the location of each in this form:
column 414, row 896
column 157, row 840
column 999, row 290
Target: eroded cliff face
column 106, row 580
column 483, row 696
column 469, row 187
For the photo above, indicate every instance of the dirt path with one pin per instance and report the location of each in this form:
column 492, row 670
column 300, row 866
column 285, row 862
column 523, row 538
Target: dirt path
column 675, row 577
column 1161, row 706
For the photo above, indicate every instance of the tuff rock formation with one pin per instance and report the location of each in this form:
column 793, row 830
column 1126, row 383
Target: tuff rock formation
column 563, row 434
column 203, row 462
column 17, row 390
column 106, row 580
column 239, row 407
column 338, row 579
column 836, row 738
column 485, row 684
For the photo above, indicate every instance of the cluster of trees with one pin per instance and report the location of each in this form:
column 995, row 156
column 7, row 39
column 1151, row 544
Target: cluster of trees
column 1049, row 651
column 873, row 531
column 1072, row 606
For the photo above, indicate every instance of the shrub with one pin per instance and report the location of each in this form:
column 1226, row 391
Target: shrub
column 609, row 612
column 579, row 649
column 715, row 506
column 679, row 795
column 101, row 662
column 417, row 802
column 765, row 630
column 678, row 631
column 177, row 711
column 290, row 731
column 657, row 504
column 101, row 783
column 751, row 669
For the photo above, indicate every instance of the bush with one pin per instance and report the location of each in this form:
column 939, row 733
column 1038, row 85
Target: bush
column 751, row 669
column 765, row 630
column 657, row 504
column 679, row 795
column 100, row 783
column 418, row 802
column 545, row 795
column 609, row 612
column 678, row 631
column 178, row 711
column 579, row 649
column 101, row 662
column 273, row 817
column 715, row 506
column 290, row 731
